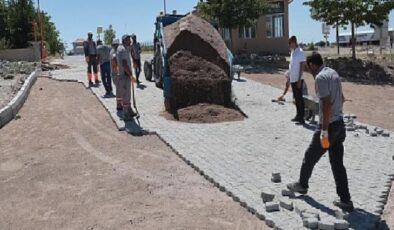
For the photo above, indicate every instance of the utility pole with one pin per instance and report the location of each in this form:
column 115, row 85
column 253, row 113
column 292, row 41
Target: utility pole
column 165, row 8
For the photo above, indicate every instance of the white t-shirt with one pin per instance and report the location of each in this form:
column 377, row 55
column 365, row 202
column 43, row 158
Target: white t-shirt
column 297, row 56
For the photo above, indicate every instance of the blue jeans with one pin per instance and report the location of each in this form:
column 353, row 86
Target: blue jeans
column 106, row 76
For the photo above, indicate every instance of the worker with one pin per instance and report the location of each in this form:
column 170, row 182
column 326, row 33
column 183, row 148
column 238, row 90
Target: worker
column 136, row 55
column 296, row 70
column 287, row 86
column 330, row 135
column 115, row 74
column 90, row 50
column 125, row 76
column 104, row 59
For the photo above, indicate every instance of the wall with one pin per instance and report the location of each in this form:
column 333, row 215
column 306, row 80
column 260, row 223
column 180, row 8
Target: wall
column 30, row 54
column 261, row 43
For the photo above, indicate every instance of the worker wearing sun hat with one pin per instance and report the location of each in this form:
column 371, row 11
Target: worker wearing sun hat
column 115, row 74
column 125, row 76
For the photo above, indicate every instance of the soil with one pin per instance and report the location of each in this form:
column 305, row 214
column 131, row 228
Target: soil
column 10, row 87
column 198, row 36
column 64, row 165
column 373, row 104
column 206, row 113
column 195, row 80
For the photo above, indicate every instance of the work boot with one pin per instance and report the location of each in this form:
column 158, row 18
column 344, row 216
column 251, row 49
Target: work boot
column 90, row 83
column 119, row 108
column 97, row 82
column 348, row 206
column 295, row 119
column 297, row 187
column 300, row 122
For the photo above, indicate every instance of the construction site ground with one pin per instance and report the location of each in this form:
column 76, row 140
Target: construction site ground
column 65, row 165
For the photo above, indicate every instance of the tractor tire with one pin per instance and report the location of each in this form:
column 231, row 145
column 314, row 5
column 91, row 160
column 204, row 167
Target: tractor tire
column 148, row 71
column 158, row 71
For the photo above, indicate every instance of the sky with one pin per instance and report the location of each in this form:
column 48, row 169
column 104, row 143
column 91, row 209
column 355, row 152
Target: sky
column 74, row 18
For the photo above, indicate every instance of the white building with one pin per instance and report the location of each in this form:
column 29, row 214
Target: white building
column 369, row 37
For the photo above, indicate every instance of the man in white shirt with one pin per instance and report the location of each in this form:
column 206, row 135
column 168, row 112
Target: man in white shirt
column 296, row 69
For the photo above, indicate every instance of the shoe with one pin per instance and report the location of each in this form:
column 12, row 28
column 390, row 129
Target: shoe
column 348, row 206
column 297, row 187
column 119, row 108
column 97, row 82
column 90, row 83
column 139, row 82
column 295, row 119
column 300, row 122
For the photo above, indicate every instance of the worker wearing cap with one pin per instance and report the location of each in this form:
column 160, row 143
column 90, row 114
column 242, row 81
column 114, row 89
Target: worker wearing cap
column 104, row 58
column 125, row 76
column 136, row 55
column 90, row 50
column 115, row 74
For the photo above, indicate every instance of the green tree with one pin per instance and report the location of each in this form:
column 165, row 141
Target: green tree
column 109, row 35
column 51, row 35
column 21, row 14
column 355, row 12
column 233, row 14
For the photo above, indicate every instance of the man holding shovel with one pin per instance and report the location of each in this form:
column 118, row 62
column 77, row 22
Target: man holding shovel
column 125, row 76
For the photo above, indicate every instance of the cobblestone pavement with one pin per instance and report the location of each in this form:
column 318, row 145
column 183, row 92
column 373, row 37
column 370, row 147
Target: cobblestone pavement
column 239, row 157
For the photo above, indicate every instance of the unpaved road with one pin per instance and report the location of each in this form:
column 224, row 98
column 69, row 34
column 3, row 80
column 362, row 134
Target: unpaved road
column 373, row 104
column 64, row 165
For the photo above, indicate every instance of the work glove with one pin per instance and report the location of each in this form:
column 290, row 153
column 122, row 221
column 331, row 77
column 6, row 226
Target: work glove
column 325, row 143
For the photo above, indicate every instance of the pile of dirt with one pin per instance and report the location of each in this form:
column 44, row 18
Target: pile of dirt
column 198, row 64
column 195, row 80
column 198, row 36
column 206, row 113
column 363, row 71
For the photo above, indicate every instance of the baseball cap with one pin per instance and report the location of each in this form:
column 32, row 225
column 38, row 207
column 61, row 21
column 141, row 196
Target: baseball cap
column 115, row 42
column 125, row 36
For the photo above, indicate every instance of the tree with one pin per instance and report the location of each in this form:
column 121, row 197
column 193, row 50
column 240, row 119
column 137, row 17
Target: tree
column 232, row 14
column 51, row 35
column 21, row 14
column 355, row 12
column 109, row 35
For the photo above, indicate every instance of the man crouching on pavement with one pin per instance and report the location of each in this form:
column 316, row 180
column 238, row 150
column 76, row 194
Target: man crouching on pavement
column 331, row 134
column 125, row 76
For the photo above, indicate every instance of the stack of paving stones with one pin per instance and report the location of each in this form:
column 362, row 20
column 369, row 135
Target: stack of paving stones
column 242, row 165
column 352, row 126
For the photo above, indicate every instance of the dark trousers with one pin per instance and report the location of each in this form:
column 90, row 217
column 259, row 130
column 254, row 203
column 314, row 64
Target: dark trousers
column 92, row 64
column 137, row 67
column 297, row 94
column 106, row 76
column 336, row 135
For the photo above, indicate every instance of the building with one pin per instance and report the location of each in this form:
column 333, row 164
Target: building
column 269, row 35
column 368, row 37
column 78, row 46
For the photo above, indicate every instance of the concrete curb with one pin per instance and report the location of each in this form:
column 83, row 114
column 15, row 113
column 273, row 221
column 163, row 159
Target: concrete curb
column 10, row 111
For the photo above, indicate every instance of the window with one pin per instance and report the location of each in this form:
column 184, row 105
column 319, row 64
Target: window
column 247, row 32
column 275, row 26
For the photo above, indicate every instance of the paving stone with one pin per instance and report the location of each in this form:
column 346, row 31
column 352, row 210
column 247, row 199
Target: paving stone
column 286, row 204
column 341, row 224
column 272, row 207
column 326, row 225
column 276, row 178
column 288, row 193
column 311, row 222
column 267, row 197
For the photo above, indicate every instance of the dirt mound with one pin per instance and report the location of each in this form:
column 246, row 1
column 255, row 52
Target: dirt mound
column 206, row 113
column 200, row 38
column 195, row 80
column 364, row 71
